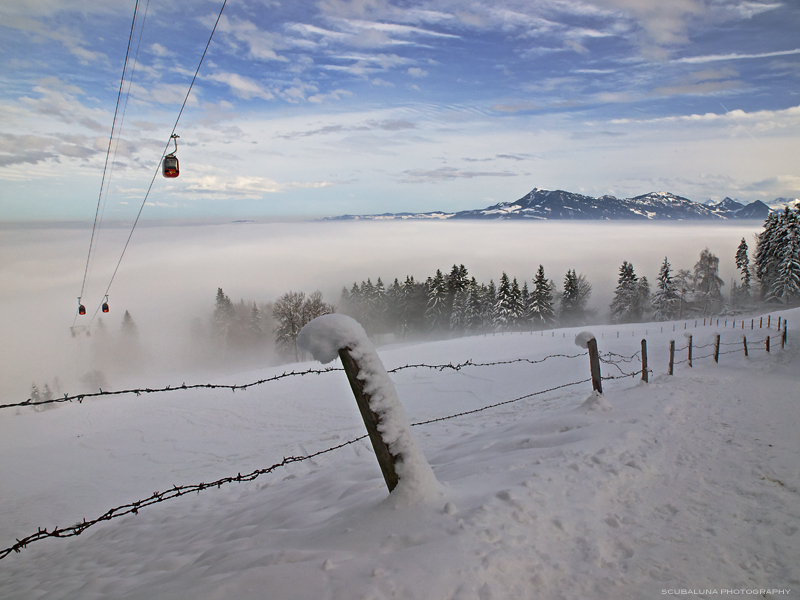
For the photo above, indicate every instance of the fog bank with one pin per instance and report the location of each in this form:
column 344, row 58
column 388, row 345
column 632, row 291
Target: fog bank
column 170, row 274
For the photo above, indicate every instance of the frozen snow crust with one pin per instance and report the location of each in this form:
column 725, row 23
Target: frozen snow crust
column 688, row 483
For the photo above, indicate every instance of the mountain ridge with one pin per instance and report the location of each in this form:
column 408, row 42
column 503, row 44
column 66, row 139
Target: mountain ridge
column 541, row 204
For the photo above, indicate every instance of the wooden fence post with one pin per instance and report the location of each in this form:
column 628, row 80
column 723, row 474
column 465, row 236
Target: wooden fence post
column 783, row 337
column 690, row 351
column 752, row 322
column 385, row 458
column 594, row 365
column 671, row 356
column 767, row 343
column 744, row 341
column 644, row 361
column 779, row 323
column 716, row 349
column 769, row 320
column 760, row 322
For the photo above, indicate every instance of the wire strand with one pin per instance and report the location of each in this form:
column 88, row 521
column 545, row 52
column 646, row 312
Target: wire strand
column 163, row 153
column 108, row 153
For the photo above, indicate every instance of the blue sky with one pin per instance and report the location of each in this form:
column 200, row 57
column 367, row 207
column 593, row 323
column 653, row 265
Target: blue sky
column 367, row 106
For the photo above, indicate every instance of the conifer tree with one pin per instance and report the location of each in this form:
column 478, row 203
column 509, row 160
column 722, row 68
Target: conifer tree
column 541, row 302
column 665, row 300
column 436, row 310
column 504, row 304
column 743, row 264
column 625, row 305
column 786, row 286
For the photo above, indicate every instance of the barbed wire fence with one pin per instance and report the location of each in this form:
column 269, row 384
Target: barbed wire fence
column 608, row 358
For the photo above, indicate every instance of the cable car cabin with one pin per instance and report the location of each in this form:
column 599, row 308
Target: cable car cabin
column 170, row 166
column 105, row 307
column 81, row 309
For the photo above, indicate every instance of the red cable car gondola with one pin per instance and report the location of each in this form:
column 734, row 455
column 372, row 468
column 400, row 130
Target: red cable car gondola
column 81, row 308
column 105, row 305
column 170, row 166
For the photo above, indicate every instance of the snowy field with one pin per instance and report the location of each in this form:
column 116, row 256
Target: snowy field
column 686, row 485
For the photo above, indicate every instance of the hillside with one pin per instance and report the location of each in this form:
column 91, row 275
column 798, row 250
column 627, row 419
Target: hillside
column 689, row 482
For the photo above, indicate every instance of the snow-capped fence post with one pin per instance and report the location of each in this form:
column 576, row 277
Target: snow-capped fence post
column 644, row 361
column 716, row 348
column 386, row 459
column 671, row 356
column 586, row 339
column 400, row 459
column 744, row 341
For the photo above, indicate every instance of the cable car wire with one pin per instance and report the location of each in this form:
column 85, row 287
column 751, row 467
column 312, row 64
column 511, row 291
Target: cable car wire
column 108, row 153
column 163, row 153
column 116, row 145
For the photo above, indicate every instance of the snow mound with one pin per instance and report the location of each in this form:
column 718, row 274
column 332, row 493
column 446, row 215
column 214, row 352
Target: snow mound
column 595, row 402
column 583, row 338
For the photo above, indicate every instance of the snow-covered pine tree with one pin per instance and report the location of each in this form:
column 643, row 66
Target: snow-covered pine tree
column 489, row 306
column 476, row 305
column 436, row 311
column 459, row 312
column 504, row 305
column 665, row 300
column 541, row 303
column 642, row 306
column 743, row 264
column 786, row 286
column 624, row 306
column 525, row 298
column 766, row 258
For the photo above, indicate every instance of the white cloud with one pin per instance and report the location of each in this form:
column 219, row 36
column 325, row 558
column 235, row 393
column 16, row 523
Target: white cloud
column 446, row 174
column 241, row 86
column 330, row 96
column 732, row 56
column 417, row 72
column 248, row 187
column 159, row 50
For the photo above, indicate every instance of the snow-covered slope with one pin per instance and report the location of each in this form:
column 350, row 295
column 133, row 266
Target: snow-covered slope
column 690, row 482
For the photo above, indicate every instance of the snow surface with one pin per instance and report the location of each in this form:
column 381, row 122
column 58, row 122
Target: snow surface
column 688, row 483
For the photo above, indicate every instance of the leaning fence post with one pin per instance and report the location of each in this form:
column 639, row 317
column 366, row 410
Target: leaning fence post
column 744, row 341
column 386, row 459
column 671, row 356
column 644, row 361
column 690, row 351
column 400, row 459
column 716, row 349
column 586, row 339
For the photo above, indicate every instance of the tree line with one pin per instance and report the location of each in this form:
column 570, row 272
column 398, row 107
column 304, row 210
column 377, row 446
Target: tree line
column 455, row 303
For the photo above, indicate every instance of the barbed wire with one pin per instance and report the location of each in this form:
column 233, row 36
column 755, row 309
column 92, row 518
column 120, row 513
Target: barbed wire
column 177, row 491
column 233, row 387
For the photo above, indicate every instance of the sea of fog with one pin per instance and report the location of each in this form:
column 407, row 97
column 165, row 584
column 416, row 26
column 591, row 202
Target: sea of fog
column 170, row 273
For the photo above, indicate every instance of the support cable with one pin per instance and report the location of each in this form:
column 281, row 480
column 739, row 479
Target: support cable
column 108, row 153
column 163, row 153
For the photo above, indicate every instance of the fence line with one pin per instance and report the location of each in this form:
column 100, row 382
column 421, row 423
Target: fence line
column 177, row 491
column 233, row 387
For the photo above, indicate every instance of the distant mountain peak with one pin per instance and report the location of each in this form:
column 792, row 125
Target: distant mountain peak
column 542, row 204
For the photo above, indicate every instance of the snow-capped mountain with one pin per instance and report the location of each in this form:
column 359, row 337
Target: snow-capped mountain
column 543, row 204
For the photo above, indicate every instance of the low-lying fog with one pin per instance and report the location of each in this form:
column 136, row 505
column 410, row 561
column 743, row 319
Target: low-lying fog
column 170, row 276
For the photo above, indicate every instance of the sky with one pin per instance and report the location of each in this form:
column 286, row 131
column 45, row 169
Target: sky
column 367, row 106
